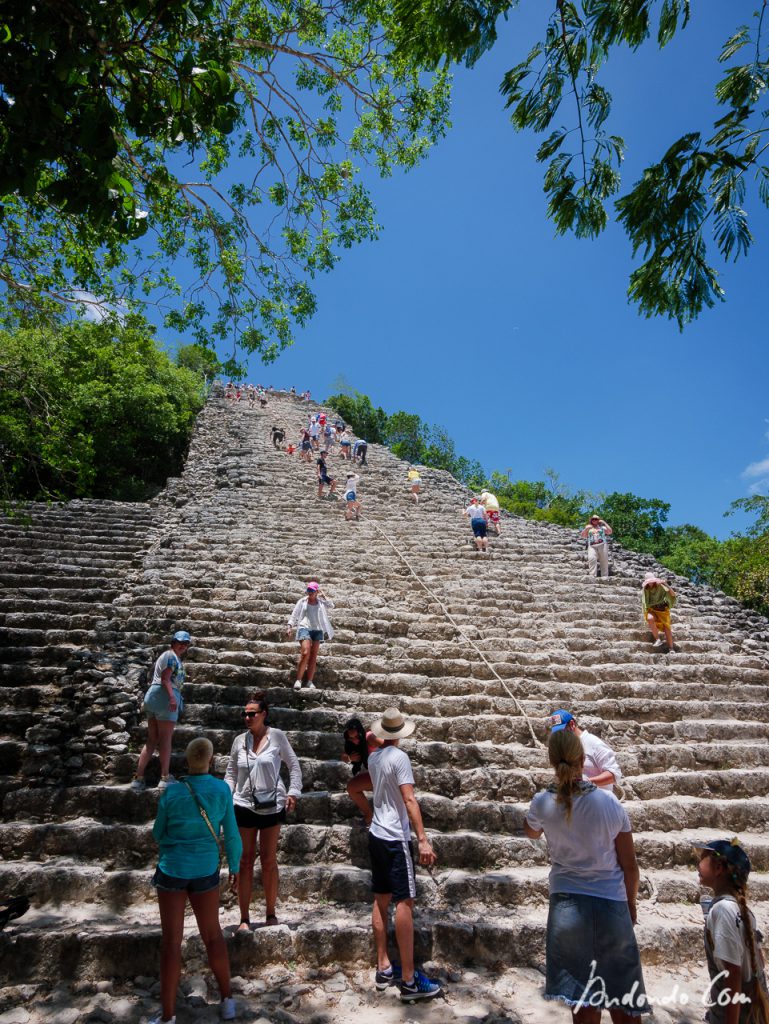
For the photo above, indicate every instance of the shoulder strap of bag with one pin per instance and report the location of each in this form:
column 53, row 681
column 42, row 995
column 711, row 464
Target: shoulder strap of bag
column 204, row 816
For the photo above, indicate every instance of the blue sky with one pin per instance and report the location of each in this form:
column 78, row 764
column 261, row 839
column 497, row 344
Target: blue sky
column 470, row 312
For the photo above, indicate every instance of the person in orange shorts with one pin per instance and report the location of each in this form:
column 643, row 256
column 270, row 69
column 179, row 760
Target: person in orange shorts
column 657, row 598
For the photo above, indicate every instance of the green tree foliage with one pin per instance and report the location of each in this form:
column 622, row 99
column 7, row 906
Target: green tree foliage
column 118, row 126
column 745, row 557
column 689, row 203
column 408, row 436
column 638, row 523
column 695, row 554
column 91, row 410
column 365, row 420
column 199, row 360
column 543, row 500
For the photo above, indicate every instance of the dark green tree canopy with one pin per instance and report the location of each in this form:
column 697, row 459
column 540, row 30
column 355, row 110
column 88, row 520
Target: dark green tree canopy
column 78, row 80
column 119, row 124
column 687, row 206
column 200, row 360
column 91, row 410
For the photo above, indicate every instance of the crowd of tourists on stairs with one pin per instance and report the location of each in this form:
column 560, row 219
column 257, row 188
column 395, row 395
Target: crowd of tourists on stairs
column 592, row 958
column 594, row 879
column 240, row 392
column 320, row 435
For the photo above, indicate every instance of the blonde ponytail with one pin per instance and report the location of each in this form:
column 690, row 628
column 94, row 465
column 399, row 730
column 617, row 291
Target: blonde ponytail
column 566, row 756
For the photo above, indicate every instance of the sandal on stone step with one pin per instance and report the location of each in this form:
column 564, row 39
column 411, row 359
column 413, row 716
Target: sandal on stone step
column 270, row 920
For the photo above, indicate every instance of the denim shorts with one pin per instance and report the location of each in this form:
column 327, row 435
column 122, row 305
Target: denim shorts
column 479, row 527
column 156, row 704
column 316, row 635
column 167, row 883
column 592, row 955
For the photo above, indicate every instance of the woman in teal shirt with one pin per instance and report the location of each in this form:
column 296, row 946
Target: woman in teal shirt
column 189, row 866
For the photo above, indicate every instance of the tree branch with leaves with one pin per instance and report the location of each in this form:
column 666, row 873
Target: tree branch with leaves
column 122, row 186
column 689, row 208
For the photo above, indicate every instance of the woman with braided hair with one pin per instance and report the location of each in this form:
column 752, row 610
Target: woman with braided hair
column 732, row 945
column 591, row 952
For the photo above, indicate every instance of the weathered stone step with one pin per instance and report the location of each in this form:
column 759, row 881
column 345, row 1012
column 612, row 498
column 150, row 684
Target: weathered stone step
column 23, row 674
column 401, row 685
column 495, row 891
column 126, row 845
column 68, row 941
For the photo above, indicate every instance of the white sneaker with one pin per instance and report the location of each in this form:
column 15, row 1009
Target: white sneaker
column 298, row 684
column 164, row 783
column 161, row 1020
column 227, row 1008
column 311, row 685
column 660, row 643
column 138, row 786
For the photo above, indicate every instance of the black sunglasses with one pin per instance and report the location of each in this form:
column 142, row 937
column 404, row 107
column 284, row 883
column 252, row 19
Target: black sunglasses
column 251, row 714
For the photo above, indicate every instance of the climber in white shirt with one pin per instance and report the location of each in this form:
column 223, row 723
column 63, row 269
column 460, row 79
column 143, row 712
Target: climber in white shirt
column 601, row 766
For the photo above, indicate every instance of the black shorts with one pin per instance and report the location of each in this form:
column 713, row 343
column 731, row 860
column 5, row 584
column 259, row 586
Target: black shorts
column 246, row 818
column 193, row 886
column 479, row 527
column 392, row 868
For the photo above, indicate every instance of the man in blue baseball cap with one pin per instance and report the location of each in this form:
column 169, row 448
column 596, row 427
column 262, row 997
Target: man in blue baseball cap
column 601, row 767
column 163, row 704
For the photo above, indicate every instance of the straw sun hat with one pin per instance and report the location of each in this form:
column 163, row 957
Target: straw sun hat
column 393, row 725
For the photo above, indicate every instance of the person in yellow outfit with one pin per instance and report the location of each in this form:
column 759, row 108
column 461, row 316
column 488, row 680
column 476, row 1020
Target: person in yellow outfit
column 414, row 481
column 491, row 503
column 657, row 598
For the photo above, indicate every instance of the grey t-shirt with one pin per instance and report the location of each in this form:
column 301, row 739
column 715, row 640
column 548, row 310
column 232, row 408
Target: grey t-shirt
column 390, row 769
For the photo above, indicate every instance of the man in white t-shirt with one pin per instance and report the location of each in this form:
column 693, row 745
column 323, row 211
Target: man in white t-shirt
column 601, row 766
column 392, row 868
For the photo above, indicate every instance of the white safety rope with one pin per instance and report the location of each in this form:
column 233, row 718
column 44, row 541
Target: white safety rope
column 460, row 630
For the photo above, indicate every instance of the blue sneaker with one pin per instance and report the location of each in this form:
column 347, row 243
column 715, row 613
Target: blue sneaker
column 420, row 988
column 391, row 976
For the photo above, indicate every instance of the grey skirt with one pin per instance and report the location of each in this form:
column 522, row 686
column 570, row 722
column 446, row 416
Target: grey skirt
column 592, row 955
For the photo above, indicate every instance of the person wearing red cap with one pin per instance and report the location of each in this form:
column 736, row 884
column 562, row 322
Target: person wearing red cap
column 312, row 624
column 737, row 992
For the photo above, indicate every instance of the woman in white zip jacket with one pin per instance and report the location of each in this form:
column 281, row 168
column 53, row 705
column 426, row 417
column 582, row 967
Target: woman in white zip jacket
column 312, row 624
column 261, row 801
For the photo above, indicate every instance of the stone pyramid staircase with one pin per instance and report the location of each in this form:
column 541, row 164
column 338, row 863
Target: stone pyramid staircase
column 92, row 590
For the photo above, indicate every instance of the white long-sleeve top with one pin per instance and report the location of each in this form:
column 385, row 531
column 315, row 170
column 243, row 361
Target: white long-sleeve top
column 599, row 757
column 262, row 771
column 300, row 608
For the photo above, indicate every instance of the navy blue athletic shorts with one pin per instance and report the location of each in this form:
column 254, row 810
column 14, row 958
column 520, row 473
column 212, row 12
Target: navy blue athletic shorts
column 392, row 868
